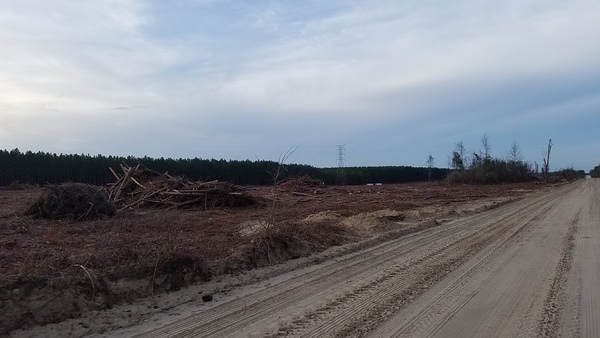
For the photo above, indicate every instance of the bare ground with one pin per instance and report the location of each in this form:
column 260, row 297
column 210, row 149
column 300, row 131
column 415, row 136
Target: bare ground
column 526, row 269
column 71, row 273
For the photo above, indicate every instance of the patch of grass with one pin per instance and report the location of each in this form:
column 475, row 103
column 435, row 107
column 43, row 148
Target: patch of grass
column 286, row 241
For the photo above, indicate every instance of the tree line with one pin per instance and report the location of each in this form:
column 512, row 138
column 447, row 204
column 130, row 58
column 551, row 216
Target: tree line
column 595, row 172
column 481, row 167
column 42, row 168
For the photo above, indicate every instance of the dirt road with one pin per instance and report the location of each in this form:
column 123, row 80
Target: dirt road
column 529, row 268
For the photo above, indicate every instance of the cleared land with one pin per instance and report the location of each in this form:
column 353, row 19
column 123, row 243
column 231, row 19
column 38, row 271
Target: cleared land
column 522, row 268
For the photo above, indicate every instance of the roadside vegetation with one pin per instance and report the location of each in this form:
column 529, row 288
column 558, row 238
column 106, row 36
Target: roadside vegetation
column 481, row 167
column 569, row 174
column 595, row 173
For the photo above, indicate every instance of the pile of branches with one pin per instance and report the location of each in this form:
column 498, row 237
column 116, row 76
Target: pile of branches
column 77, row 201
column 145, row 188
column 303, row 183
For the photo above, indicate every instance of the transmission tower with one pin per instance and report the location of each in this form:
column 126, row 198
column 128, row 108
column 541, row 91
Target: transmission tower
column 340, row 178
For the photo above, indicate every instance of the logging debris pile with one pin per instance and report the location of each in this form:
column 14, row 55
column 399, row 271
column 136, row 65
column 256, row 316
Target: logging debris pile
column 140, row 187
column 302, row 184
column 76, row 201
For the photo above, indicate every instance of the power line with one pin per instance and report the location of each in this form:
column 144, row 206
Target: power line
column 340, row 178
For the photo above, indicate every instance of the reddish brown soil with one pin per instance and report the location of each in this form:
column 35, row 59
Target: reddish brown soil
column 145, row 243
column 31, row 248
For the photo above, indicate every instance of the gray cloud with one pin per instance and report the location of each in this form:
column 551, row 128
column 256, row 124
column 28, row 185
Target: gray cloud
column 392, row 80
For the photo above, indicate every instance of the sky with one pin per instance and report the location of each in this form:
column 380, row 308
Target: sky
column 391, row 81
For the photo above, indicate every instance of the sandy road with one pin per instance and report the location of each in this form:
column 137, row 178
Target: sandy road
column 529, row 268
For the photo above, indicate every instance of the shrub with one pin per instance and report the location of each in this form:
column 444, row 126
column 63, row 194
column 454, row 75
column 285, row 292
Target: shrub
column 595, row 172
column 492, row 171
column 570, row 174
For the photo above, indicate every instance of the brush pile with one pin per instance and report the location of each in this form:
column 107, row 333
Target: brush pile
column 144, row 188
column 77, row 201
column 303, row 183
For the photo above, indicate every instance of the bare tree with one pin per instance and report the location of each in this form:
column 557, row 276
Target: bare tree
column 485, row 144
column 546, row 154
column 514, row 154
column 460, row 149
column 279, row 176
column 430, row 163
column 279, row 172
column 458, row 157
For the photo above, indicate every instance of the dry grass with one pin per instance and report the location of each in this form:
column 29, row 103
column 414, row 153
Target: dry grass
column 278, row 243
column 145, row 251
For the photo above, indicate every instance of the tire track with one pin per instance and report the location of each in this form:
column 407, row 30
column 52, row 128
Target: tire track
column 392, row 297
column 579, row 317
column 493, row 294
column 361, row 286
column 555, row 300
column 452, row 291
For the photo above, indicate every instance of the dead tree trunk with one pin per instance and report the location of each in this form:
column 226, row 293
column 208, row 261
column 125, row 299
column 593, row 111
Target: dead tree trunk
column 546, row 159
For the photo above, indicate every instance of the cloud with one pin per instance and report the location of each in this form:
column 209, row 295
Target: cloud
column 86, row 53
column 327, row 64
column 236, row 76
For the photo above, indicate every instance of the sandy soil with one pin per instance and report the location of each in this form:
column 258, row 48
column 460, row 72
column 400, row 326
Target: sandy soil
column 428, row 255
column 516, row 285
column 523, row 269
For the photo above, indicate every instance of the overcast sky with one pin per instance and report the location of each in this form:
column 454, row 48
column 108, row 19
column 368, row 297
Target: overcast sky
column 393, row 81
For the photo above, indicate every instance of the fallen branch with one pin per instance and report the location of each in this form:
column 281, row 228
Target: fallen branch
column 91, row 280
column 295, row 193
column 139, row 187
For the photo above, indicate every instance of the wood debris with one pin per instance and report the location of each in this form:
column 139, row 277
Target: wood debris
column 76, row 201
column 302, row 185
column 140, row 187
